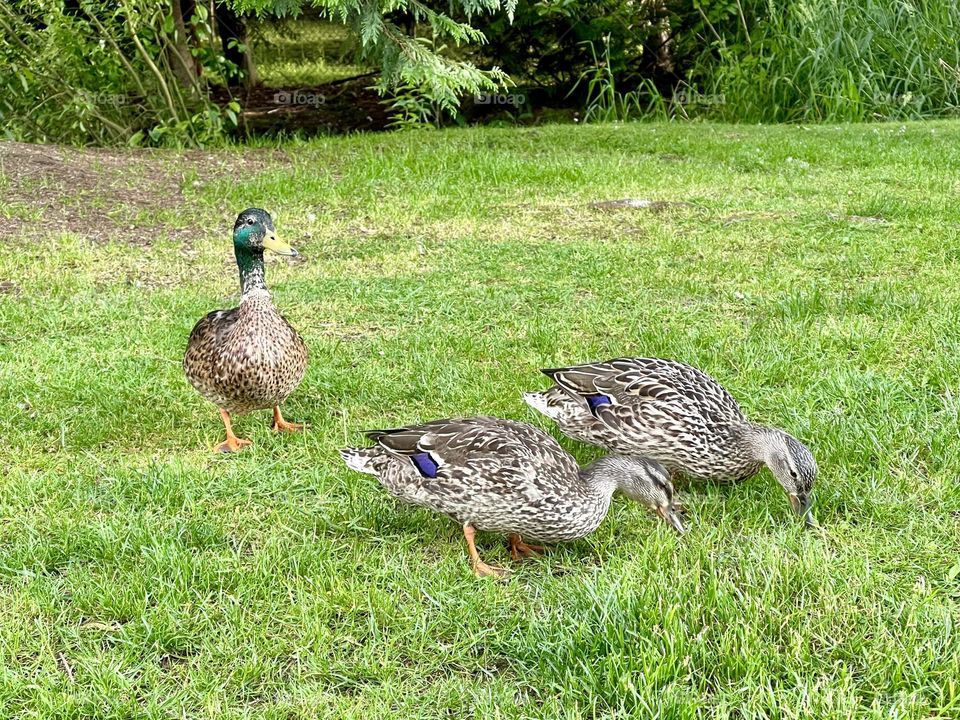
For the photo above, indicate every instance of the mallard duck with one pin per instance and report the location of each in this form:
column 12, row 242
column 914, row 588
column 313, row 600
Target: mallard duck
column 678, row 415
column 507, row 477
column 249, row 357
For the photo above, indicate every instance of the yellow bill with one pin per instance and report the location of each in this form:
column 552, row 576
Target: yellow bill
column 271, row 243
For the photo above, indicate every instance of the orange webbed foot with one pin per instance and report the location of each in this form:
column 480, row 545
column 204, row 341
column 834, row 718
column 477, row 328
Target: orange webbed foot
column 481, row 569
column 518, row 548
column 281, row 425
column 232, row 445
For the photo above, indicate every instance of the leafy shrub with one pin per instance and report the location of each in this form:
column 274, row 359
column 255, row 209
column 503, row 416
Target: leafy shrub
column 98, row 72
column 548, row 43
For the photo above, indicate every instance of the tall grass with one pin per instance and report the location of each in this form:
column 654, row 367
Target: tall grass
column 605, row 103
column 107, row 73
column 835, row 60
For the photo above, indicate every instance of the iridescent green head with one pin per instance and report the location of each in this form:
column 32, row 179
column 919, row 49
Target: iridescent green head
column 254, row 232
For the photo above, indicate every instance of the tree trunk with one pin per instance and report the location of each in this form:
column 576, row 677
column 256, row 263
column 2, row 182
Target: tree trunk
column 231, row 27
column 179, row 57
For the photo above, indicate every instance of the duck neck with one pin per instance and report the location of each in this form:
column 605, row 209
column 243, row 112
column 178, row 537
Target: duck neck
column 596, row 488
column 599, row 479
column 757, row 441
column 250, row 264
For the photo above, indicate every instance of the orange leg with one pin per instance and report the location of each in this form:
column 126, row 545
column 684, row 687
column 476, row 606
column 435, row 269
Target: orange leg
column 518, row 548
column 232, row 443
column 480, row 568
column 281, row 425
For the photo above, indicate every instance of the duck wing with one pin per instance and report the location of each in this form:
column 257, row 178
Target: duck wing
column 204, row 348
column 467, row 457
column 214, row 327
column 638, row 395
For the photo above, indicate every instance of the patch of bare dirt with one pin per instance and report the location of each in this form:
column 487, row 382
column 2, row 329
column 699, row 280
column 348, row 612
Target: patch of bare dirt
column 858, row 218
column 342, row 106
column 105, row 194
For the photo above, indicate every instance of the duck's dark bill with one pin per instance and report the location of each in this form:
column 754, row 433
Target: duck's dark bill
column 672, row 518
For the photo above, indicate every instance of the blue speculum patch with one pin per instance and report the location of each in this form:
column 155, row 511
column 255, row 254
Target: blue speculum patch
column 425, row 464
column 595, row 401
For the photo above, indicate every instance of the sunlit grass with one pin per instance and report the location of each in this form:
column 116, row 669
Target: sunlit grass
column 303, row 54
column 813, row 271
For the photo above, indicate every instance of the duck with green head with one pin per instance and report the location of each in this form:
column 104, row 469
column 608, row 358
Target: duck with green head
column 249, row 357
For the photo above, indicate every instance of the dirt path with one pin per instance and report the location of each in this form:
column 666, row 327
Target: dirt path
column 109, row 194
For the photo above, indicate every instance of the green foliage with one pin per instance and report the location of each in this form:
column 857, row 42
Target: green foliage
column 833, row 60
column 101, row 72
column 408, row 61
column 414, row 106
column 411, row 108
column 739, row 60
column 548, row 43
column 107, row 73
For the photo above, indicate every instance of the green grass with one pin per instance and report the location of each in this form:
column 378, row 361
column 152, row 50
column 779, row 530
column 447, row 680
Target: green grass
column 141, row 576
column 303, row 53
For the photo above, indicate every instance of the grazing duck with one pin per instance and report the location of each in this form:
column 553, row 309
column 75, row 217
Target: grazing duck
column 507, row 477
column 678, row 415
column 249, row 357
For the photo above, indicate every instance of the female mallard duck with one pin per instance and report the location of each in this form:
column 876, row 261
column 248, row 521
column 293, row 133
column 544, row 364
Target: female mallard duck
column 507, row 477
column 678, row 415
column 249, row 357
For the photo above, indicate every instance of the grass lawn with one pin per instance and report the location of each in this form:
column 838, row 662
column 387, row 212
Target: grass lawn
column 307, row 52
column 813, row 271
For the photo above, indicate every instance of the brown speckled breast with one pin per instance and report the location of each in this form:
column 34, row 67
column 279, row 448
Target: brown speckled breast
column 247, row 358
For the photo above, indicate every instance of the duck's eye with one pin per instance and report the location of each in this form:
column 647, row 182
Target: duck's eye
column 250, row 221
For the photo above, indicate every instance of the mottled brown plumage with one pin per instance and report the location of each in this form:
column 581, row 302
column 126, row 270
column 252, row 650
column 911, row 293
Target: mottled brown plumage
column 249, row 357
column 676, row 414
column 504, row 476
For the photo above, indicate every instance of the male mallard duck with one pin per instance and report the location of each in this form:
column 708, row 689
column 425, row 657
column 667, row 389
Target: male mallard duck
column 249, row 357
column 507, row 477
column 678, row 415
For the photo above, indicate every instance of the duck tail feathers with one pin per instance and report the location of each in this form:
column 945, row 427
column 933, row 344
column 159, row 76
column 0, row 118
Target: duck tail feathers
column 359, row 459
column 538, row 401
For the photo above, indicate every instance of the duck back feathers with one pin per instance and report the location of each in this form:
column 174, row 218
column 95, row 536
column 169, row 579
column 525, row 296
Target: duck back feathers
column 656, row 408
column 494, row 474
